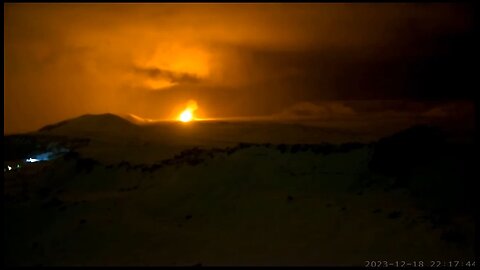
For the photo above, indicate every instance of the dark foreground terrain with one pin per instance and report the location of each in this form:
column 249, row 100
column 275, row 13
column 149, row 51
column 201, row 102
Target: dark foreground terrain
column 123, row 201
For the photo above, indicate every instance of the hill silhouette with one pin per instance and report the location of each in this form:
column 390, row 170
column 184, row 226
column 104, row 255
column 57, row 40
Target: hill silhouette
column 91, row 125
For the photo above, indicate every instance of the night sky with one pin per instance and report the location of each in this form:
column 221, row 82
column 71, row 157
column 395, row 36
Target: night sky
column 65, row 60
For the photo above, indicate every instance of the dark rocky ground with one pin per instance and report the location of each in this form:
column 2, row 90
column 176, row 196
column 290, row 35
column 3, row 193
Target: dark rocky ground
column 407, row 196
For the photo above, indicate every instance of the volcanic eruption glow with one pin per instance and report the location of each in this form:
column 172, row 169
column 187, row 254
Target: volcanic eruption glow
column 187, row 115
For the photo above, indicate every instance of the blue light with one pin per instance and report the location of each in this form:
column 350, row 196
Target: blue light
column 47, row 155
column 44, row 156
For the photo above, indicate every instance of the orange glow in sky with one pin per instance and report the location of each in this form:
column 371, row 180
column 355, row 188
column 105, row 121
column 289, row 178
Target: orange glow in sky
column 237, row 60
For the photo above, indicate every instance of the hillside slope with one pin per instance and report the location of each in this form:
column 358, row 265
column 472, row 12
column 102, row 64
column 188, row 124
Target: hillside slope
column 252, row 204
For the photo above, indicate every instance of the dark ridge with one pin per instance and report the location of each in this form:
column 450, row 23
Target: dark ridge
column 71, row 155
column 107, row 117
column 396, row 154
column 195, row 156
column 347, row 147
column 54, row 126
column 86, row 164
column 437, row 173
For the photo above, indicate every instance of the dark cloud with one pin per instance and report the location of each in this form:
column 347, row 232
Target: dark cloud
column 424, row 67
column 171, row 76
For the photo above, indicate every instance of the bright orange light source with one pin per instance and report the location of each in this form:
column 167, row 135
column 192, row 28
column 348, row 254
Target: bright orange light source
column 187, row 114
